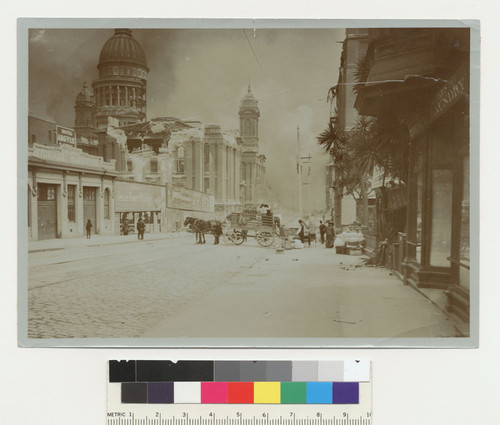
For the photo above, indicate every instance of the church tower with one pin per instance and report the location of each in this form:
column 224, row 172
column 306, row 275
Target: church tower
column 120, row 90
column 252, row 168
column 249, row 122
column 84, row 111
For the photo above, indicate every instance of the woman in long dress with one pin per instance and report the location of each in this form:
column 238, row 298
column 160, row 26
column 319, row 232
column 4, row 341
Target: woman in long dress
column 330, row 235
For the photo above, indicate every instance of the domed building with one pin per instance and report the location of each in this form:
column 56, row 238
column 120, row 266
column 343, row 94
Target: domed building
column 120, row 90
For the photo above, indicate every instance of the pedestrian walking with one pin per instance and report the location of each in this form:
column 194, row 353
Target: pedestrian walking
column 330, row 235
column 301, row 232
column 322, row 231
column 241, row 223
column 312, row 233
column 89, row 228
column 141, row 226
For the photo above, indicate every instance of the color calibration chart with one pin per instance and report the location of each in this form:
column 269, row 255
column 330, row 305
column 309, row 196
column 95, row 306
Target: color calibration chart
column 161, row 392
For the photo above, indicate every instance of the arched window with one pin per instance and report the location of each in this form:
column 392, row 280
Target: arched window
column 180, row 160
column 106, row 204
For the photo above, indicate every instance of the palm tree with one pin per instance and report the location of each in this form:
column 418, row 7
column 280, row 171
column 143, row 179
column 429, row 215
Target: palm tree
column 353, row 158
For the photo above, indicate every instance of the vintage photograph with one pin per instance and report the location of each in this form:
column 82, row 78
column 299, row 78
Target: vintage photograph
column 260, row 186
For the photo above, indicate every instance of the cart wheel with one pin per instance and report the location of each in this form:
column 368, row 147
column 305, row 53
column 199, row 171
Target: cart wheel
column 265, row 238
column 237, row 238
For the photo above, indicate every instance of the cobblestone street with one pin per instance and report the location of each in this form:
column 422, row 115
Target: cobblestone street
column 172, row 287
column 120, row 290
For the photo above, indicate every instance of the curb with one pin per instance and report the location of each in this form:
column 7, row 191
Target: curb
column 166, row 236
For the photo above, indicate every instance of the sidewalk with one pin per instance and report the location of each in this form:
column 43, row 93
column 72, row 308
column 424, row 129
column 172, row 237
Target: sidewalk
column 309, row 293
column 97, row 240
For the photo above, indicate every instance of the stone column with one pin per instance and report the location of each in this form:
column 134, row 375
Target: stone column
column 213, row 171
column 230, row 179
column 118, row 95
column 126, row 96
column 188, row 163
column 221, row 172
column 237, row 172
column 198, row 165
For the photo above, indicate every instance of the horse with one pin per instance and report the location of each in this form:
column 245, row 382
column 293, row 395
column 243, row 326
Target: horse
column 204, row 226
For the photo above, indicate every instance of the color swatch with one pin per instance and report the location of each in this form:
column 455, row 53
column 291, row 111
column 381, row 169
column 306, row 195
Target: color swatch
column 238, row 382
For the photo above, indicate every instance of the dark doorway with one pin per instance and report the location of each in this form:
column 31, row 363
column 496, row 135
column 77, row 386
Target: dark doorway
column 89, row 206
column 47, row 211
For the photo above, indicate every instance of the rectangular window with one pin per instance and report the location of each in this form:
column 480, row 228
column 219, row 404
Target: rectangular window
column 129, row 165
column 206, row 184
column 71, row 203
column 154, row 166
column 442, row 185
column 89, row 193
column 50, row 136
column 180, row 166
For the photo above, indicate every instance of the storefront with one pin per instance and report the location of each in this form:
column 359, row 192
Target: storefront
column 421, row 79
column 67, row 187
column 134, row 200
column 437, row 253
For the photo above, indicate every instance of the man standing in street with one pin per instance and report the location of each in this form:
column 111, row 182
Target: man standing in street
column 322, row 231
column 140, row 229
column 302, row 231
column 89, row 228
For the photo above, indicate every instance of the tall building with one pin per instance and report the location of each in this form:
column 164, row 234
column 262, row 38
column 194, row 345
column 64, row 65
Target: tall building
column 252, row 163
column 341, row 205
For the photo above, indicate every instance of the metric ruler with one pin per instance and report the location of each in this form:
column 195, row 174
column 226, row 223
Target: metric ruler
column 239, row 393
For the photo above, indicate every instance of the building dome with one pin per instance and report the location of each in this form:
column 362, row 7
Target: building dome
column 249, row 99
column 122, row 48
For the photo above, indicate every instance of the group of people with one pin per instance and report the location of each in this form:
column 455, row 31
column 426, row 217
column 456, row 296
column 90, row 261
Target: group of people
column 308, row 233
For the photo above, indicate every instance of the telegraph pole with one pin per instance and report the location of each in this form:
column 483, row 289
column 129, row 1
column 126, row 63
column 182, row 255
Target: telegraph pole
column 306, row 160
column 299, row 173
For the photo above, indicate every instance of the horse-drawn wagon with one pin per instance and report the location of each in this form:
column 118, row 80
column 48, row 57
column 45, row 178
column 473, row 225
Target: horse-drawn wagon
column 238, row 227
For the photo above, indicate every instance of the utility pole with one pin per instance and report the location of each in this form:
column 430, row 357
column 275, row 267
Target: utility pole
column 306, row 160
column 299, row 173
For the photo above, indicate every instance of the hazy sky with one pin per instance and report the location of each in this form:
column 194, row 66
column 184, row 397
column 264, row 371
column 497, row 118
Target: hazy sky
column 202, row 74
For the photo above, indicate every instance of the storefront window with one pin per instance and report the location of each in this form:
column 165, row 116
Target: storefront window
column 440, row 249
column 419, row 204
column 465, row 227
column 416, row 193
column 71, row 203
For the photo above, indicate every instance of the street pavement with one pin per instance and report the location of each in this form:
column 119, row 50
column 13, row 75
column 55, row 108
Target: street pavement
column 168, row 286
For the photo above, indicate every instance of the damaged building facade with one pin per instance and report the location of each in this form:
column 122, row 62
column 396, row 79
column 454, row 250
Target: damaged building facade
column 115, row 166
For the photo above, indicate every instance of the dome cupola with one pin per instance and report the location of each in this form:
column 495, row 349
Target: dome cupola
column 122, row 48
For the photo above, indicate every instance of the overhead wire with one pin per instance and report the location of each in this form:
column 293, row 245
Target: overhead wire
column 254, row 54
